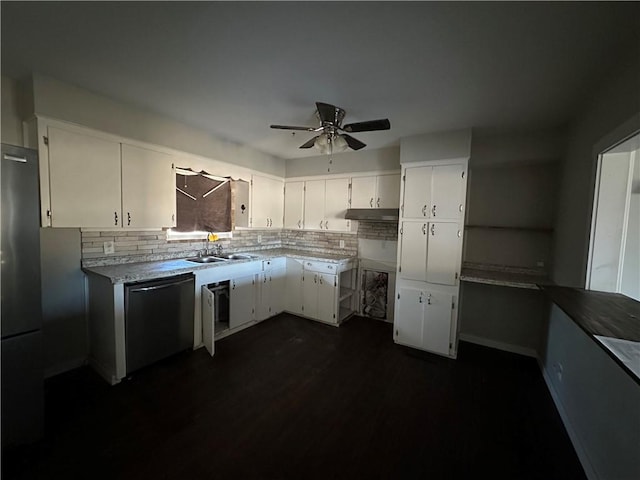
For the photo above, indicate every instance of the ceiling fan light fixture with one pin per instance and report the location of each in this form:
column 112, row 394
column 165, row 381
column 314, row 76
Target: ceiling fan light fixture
column 340, row 144
column 323, row 144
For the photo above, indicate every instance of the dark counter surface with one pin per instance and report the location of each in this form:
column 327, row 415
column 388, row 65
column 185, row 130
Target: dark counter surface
column 602, row 314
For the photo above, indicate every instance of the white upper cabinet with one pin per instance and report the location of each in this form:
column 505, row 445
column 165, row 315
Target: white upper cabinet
column 434, row 192
column 447, row 192
column 294, row 205
column 336, row 203
column 376, row 191
column 148, row 188
column 325, row 204
column 388, row 191
column 314, row 205
column 84, row 180
column 417, row 192
column 267, row 202
column 363, row 192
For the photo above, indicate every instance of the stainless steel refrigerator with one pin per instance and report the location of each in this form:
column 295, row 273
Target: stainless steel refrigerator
column 22, row 394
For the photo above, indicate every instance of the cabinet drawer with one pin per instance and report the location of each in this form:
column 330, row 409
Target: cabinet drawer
column 280, row 262
column 321, row 267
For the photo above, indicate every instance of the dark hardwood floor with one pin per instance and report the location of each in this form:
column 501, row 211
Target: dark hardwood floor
column 294, row 399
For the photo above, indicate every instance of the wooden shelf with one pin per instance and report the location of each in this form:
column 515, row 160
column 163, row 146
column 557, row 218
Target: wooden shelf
column 506, row 276
column 503, row 227
column 345, row 293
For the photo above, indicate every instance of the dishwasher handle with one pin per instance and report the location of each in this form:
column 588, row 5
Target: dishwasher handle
column 159, row 287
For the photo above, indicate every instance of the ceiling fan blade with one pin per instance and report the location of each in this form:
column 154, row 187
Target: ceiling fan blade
column 310, row 143
column 289, row 127
column 330, row 113
column 370, row 126
column 354, row 143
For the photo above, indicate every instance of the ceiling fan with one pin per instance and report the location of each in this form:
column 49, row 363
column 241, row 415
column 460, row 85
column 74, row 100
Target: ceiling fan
column 331, row 139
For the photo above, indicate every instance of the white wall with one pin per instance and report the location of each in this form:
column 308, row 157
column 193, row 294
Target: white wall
column 383, row 159
column 609, row 116
column 454, row 144
column 11, row 121
column 62, row 101
column 512, row 183
column 597, row 400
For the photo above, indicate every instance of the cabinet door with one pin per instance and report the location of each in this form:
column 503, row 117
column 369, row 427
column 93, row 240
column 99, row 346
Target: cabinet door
column 267, row 202
column 263, row 307
column 293, row 292
column 413, row 251
column 447, row 192
column 409, row 317
column 241, row 300
column 293, row 205
column 436, row 332
column 310, row 294
column 363, row 192
column 148, row 188
column 335, row 204
column 278, row 282
column 208, row 319
column 314, row 205
column 388, row 191
column 443, row 253
column 327, row 306
column 84, row 178
column 417, row 192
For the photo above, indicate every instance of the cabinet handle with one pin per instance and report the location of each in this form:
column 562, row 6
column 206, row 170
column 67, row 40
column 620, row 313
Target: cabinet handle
column 371, row 202
column 460, row 208
column 321, row 280
column 115, row 218
column 320, row 224
column 234, row 285
column 433, row 210
column 433, row 229
column 420, row 299
column 429, row 299
column 459, row 233
column 265, row 279
column 424, row 229
column 128, row 218
column 378, row 202
column 326, row 224
column 424, row 211
column 315, row 279
column 299, row 224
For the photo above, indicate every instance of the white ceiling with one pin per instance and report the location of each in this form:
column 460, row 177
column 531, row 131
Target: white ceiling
column 234, row 68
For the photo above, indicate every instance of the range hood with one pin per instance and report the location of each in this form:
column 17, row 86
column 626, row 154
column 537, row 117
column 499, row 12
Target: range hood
column 373, row 214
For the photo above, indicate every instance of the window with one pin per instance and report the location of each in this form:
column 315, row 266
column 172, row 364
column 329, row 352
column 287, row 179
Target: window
column 614, row 254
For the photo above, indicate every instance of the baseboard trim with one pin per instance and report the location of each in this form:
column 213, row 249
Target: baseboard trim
column 65, row 367
column 507, row 347
column 573, row 436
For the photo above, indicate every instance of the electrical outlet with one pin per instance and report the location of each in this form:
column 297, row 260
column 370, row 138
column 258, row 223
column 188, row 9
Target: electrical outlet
column 341, row 243
column 108, row 247
column 259, row 238
column 558, row 368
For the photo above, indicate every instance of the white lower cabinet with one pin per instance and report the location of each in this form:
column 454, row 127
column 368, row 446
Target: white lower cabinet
column 319, row 296
column 293, row 286
column 241, row 300
column 271, row 283
column 424, row 319
column 328, row 291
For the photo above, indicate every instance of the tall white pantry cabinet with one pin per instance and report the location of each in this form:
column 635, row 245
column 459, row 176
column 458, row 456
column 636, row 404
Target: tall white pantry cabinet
column 431, row 227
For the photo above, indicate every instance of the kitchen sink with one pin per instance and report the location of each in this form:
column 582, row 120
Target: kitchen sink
column 239, row 256
column 206, row 259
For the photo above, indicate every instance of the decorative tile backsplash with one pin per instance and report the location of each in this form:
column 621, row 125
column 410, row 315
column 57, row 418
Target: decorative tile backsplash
column 378, row 230
column 142, row 246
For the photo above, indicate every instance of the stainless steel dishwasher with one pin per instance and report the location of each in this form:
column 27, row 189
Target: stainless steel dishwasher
column 158, row 319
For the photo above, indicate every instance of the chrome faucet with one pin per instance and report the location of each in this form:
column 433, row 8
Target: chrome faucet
column 218, row 248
